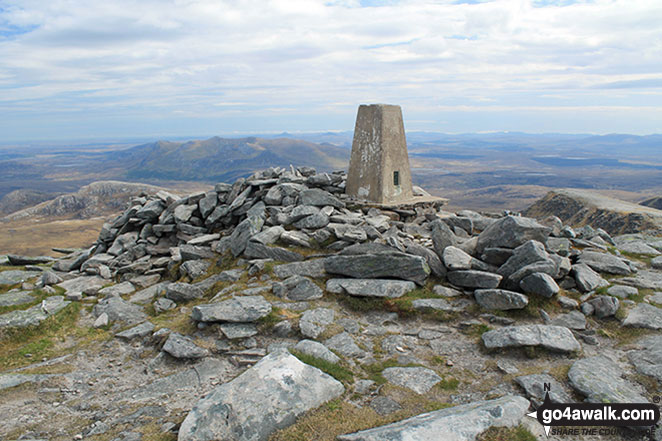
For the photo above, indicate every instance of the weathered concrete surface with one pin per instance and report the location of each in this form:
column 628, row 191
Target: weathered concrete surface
column 379, row 149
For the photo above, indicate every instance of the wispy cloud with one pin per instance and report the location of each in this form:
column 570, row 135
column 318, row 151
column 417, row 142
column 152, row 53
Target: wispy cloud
column 116, row 68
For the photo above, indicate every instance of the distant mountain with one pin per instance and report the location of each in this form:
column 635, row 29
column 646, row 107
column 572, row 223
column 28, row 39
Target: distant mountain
column 223, row 159
column 20, row 199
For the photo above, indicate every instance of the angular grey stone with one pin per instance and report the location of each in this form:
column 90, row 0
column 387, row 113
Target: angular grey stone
column 70, row 264
column 529, row 252
column 194, row 268
column 657, row 262
column 240, row 199
column 317, row 350
column 119, row 309
column 183, row 213
column 162, row 304
column 604, row 263
column 256, row 250
column 204, row 239
column 567, row 302
column 622, row 291
column 418, row 379
column 570, row 320
column 556, row 338
column 446, row 291
column 374, row 266
column 348, row 232
column 301, row 211
column 587, row 279
column 243, row 232
column 456, row 259
column 644, row 279
column 269, row 235
column 434, row 262
column 207, row 204
column 237, row 309
column 146, row 295
column 644, row 316
column 297, row 288
column 344, row 344
column 183, row 292
column 648, row 359
column 496, row 256
column 313, row 222
column 219, row 213
column 539, row 284
column 534, row 385
column 296, row 238
column 193, row 252
column 281, row 389
column 500, row 299
column 369, row 248
column 460, row 423
column 511, row 232
column 638, row 247
column 599, row 380
column 180, row 346
column 559, row 245
column 15, row 298
column 117, row 290
column 314, row 321
column 33, row 315
column 604, row 306
column 140, row 331
column 319, row 198
column 151, row 210
column 225, row 276
column 311, row 268
column 474, row 279
column 84, row 284
column 442, row 236
column 547, row 266
column 238, row 330
column 50, row 278
column 370, row 287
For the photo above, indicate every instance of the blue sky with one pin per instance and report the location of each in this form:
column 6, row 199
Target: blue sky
column 161, row 68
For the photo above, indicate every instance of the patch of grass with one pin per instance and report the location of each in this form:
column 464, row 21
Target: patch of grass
column 38, row 294
column 337, row 371
column 153, row 432
column 519, row 433
column 269, row 321
column 644, row 258
column 560, row 372
column 476, row 330
column 374, row 370
column 448, row 384
column 42, row 340
column 623, row 335
column 602, row 290
column 57, row 368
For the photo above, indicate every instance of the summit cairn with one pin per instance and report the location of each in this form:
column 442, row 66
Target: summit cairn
column 379, row 165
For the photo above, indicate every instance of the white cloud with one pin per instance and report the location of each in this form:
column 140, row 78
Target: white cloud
column 209, row 58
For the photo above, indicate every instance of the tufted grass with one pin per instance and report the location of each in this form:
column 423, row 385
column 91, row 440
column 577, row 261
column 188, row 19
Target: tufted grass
column 336, row 370
column 519, row 433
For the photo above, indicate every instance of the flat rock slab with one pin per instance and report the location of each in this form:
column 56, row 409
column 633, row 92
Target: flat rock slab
column 33, row 315
column 474, row 279
column 297, row 288
column 599, row 380
column 89, row 285
column 418, row 379
column 587, row 279
column 17, row 260
column 432, row 304
column 12, row 380
column 370, row 287
column 117, row 290
column 555, row 338
column 571, row 320
column 119, row 309
column 310, row 268
column 234, row 331
column 459, row 423
column 13, row 277
column 644, row 279
column 376, row 266
column 344, row 344
column 500, row 299
column 604, row 263
column 533, row 385
column 15, row 298
column 648, row 359
column 140, row 331
column 180, row 346
column 236, row 310
column 265, row 398
column 644, row 316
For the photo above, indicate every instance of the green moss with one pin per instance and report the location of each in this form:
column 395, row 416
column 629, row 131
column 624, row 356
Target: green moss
column 337, row 371
column 448, row 384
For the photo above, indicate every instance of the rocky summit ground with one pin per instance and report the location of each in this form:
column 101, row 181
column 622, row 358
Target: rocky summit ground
column 274, row 308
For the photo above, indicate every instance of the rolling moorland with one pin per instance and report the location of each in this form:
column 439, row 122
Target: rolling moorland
column 485, row 172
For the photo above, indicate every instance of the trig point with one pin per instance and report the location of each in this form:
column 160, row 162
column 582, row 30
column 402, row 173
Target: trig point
column 379, row 165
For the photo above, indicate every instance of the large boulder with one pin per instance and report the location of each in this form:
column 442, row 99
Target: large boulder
column 265, row 398
column 118, row 309
column 511, row 232
column 555, row 338
column 474, row 279
column 459, row 423
column 604, row 263
column 500, row 299
column 297, row 288
column 374, row 266
column 587, row 279
column 644, row 316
